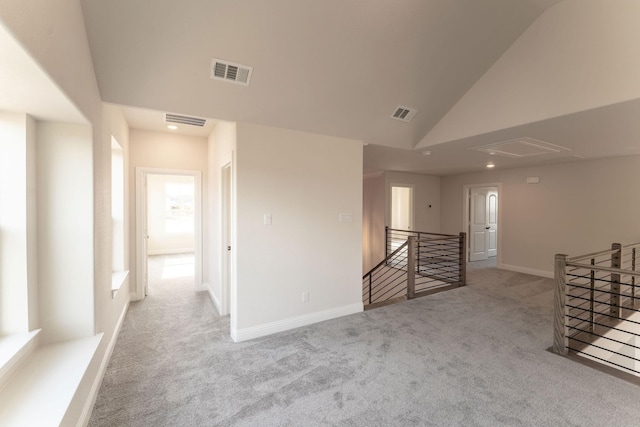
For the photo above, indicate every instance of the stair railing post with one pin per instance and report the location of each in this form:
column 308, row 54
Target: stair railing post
column 560, row 335
column 386, row 241
column 411, row 267
column 633, row 278
column 592, row 295
column 462, row 259
column 418, row 252
column 616, row 262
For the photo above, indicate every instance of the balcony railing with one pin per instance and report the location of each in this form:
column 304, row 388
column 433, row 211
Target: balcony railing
column 421, row 264
column 597, row 306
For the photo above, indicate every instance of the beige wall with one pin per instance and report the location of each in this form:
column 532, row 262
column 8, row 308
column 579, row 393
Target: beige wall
column 576, row 208
column 221, row 148
column 426, row 199
column 65, row 226
column 373, row 221
column 304, row 181
column 377, row 215
column 54, row 35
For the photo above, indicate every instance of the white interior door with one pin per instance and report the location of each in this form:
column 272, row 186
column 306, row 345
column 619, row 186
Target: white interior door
column 492, row 222
column 144, row 274
column 483, row 223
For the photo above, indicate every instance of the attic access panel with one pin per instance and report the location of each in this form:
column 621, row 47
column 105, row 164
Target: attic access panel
column 521, row 147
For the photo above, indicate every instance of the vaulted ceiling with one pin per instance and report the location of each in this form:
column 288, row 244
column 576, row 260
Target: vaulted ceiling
column 332, row 67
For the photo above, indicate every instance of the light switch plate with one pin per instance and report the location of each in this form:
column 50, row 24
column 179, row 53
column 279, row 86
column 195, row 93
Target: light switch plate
column 267, row 219
column 345, row 217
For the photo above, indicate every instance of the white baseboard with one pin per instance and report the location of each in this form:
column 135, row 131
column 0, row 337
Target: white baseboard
column 294, row 322
column 95, row 387
column 525, row 270
column 216, row 302
column 171, row 251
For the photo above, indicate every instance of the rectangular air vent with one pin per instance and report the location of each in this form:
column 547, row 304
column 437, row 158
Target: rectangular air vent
column 184, row 120
column 404, row 113
column 231, row 72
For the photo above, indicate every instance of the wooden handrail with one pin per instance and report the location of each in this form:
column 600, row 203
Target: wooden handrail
column 607, row 269
column 592, row 255
column 422, row 232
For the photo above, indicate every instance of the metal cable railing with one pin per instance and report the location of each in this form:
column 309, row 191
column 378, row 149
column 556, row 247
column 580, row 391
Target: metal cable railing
column 597, row 306
column 421, row 264
column 394, row 237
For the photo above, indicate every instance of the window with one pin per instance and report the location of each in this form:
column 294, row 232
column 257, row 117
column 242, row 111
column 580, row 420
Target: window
column 179, row 208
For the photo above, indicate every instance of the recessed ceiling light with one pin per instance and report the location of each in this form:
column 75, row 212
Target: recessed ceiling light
column 491, row 165
column 426, row 153
column 172, row 127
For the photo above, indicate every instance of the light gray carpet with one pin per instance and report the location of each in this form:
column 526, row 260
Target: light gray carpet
column 473, row 356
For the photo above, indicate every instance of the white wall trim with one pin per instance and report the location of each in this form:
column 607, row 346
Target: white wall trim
column 171, row 251
column 252, row 332
column 226, row 211
column 525, row 270
column 95, row 387
column 216, row 301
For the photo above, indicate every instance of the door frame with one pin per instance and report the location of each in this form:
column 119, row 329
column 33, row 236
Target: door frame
column 466, row 189
column 411, row 207
column 226, row 179
column 141, row 209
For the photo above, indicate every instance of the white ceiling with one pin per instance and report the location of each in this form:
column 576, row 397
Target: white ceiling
column 333, row 67
column 581, row 133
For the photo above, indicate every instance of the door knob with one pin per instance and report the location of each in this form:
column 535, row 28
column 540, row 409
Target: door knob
column 228, row 248
column 487, row 228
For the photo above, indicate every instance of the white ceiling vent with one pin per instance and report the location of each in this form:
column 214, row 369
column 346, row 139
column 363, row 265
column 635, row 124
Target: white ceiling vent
column 521, row 147
column 230, row 72
column 404, row 113
column 184, row 120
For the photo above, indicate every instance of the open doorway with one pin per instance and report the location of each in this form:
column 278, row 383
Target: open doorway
column 482, row 222
column 401, row 215
column 168, row 229
column 401, row 207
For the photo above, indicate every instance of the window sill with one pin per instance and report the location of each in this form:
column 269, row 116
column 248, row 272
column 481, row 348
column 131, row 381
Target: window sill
column 117, row 280
column 14, row 351
column 40, row 392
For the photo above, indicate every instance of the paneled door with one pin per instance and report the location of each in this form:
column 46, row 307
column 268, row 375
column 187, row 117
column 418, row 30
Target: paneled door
column 483, row 223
